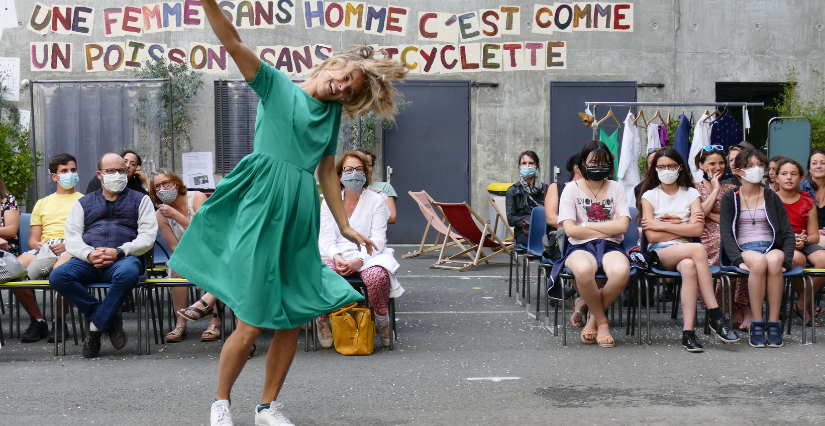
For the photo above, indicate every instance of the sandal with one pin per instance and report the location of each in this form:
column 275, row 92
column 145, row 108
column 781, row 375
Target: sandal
column 605, row 341
column 199, row 314
column 211, row 334
column 588, row 335
column 578, row 323
column 799, row 314
column 176, row 335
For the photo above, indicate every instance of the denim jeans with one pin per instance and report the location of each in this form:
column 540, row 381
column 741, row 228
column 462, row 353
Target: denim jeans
column 757, row 246
column 71, row 279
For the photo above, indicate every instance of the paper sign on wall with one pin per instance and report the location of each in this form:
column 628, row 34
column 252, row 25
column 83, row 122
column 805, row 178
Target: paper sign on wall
column 10, row 75
column 197, row 170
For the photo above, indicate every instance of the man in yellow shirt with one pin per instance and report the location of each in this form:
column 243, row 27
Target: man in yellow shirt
column 48, row 222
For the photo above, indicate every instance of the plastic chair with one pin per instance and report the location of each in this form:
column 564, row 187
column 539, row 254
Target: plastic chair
column 433, row 217
column 534, row 251
column 517, row 249
column 796, row 272
column 466, row 221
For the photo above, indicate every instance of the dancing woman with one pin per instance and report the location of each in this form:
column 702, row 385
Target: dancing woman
column 254, row 243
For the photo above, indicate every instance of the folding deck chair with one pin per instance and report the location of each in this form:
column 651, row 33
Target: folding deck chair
column 425, row 203
column 466, row 221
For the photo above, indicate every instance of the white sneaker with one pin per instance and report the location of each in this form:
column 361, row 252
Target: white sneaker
column 384, row 329
column 221, row 416
column 324, row 333
column 272, row 416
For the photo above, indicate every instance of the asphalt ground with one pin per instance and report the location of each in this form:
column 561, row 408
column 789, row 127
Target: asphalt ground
column 467, row 354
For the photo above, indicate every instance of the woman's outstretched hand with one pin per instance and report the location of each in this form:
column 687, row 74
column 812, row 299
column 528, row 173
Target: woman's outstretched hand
column 359, row 239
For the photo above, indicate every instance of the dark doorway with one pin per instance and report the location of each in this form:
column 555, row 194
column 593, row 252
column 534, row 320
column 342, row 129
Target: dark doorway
column 567, row 133
column 752, row 92
column 429, row 149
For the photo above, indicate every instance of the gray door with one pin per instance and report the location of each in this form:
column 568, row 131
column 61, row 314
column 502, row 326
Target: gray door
column 429, row 149
column 567, row 133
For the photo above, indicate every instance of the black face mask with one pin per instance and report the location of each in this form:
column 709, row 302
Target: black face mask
column 597, row 173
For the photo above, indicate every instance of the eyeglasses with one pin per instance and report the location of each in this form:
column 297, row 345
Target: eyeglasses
column 112, row 171
column 359, row 169
column 671, row 167
column 164, row 185
column 714, row 148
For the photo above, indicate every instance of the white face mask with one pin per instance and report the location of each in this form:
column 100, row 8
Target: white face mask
column 754, row 174
column 114, row 183
column 668, row 176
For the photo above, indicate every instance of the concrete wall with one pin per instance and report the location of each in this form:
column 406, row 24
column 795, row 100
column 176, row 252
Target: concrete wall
column 686, row 45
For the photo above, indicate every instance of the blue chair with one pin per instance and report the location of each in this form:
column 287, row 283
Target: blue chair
column 534, row 251
column 796, row 272
column 657, row 274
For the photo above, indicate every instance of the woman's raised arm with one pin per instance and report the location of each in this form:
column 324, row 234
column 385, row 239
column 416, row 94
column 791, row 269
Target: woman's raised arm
column 244, row 57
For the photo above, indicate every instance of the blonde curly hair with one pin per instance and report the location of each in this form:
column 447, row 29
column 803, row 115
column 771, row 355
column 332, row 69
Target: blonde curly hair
column 378, row 93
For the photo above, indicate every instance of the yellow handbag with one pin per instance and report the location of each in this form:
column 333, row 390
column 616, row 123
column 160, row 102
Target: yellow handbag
column 353, row 330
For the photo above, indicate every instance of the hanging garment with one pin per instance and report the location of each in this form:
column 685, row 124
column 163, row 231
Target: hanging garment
column 664, row 139
column 726, row 131
column 629, row 159
column 652, row 137
column 701, row 138
column 612, row 143
column 681, row 141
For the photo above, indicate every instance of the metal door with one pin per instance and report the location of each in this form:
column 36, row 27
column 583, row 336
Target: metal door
column 567, row 133
column 429, row 149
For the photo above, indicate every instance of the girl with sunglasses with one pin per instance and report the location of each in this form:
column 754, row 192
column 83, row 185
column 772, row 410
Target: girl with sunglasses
column 711, row 161
column 671, row 216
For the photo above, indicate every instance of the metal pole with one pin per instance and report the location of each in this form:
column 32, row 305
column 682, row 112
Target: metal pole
column 34, row 146
column 172, row 123
column 677, row 104
column 125, row 80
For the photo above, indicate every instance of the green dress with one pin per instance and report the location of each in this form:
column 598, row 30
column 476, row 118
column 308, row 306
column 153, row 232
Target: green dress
column 612, row 142
column 254, row 243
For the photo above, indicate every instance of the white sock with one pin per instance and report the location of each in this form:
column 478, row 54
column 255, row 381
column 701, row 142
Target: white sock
column 382, row 318
column 92, row 327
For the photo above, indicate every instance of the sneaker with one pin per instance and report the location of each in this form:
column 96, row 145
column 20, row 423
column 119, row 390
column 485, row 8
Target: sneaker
column 723, row 330
column 37, row 330
column 690, row 343
column 384, row 330
column 324, row 332
column 117, row 335
column 757, row 334
column 91, row 344
column 220, row 414
column 775, row 334
column 56, row 329
column 272, row 416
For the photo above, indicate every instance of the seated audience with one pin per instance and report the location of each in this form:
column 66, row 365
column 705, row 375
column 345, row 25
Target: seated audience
column 814, row 185
column 176, row 207
column 48, row 220
column 367, row 214
column 527, row 193
column 757, row 236
column 671, row 216
column 804, row 221
column 384, row 187
column 770, row 178
column 136, row 178
column 9, row 220
column 105, row 232
column 594, row 214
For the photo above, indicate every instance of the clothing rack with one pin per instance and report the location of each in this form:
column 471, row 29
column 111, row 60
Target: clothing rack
column 744, row 106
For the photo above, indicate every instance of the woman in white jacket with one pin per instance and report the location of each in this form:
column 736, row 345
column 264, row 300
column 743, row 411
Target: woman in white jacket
column 367, row 213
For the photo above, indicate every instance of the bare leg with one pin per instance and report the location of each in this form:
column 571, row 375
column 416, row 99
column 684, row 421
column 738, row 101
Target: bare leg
column 617, row 268
column 180, row 300
column 278, row 360
column 583, row 266
column 757, row 264
column 817, row 259
column 234, row 354
column 691, row 260
column 776, row 283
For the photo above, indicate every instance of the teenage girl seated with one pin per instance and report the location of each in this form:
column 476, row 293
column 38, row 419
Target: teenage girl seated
column 804, row 220
column 671, row 217
column 757, row 237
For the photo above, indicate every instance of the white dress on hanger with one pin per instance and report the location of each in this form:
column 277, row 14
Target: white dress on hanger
column 653, row 137
column 629, row 159
column 701, row 139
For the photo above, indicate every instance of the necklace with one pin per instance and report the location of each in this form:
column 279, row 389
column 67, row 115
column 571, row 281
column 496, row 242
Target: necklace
column 596, row 194
column 752, row 215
